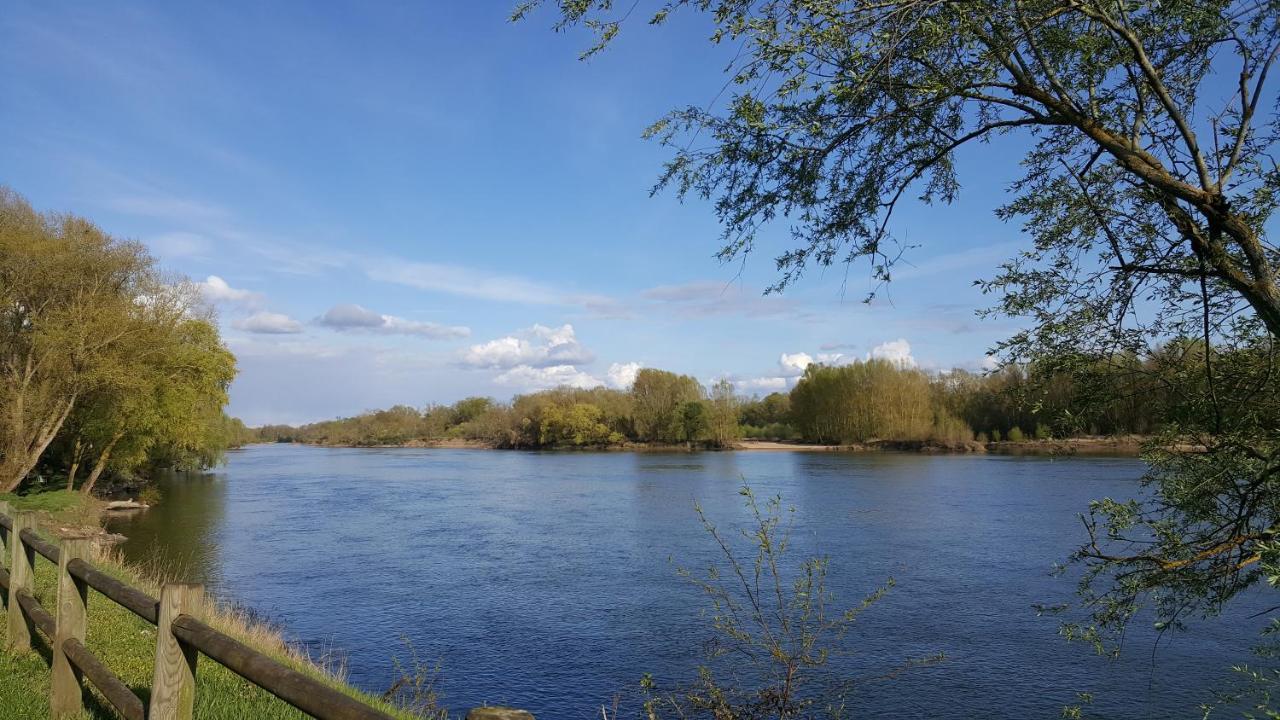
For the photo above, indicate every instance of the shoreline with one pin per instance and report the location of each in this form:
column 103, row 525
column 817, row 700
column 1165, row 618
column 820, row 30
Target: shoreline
column 1124, row 446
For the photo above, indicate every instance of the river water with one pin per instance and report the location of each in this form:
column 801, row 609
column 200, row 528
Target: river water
column 548, row 580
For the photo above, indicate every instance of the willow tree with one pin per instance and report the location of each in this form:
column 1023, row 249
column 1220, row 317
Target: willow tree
column 1147, row 135
column 170, row 398
column 68, row 299
column 91, row 331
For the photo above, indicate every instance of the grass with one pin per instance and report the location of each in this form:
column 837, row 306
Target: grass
column 126, row 644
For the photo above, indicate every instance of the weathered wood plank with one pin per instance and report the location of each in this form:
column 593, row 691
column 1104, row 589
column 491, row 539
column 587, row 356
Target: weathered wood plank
column 173, row 688
column 22, row 561
column 38, row 544
column 111, row 687
column 66, row 698
column 128, row 597
column 305, row 693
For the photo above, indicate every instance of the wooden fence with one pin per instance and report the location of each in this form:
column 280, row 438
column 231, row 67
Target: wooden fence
column 180, row 638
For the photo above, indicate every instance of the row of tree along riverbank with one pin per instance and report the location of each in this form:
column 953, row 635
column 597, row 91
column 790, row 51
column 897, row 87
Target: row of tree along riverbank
column 873, row 404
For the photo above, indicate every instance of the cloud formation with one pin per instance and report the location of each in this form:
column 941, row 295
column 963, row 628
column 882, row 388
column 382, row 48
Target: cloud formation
column 536, row 347
column 622, row 375
column 269, row 323
column 897, row 352
column 356, row 318
column 542, row 378
column 794, row 364
column 216, row 290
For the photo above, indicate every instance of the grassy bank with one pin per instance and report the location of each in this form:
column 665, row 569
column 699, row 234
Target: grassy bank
column 126, row 644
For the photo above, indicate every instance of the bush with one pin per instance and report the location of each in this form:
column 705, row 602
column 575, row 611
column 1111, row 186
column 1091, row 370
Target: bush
column 947, row 428
column 1043, row 432
column 1015, row 434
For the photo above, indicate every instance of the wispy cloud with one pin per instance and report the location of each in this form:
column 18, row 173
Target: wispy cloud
column 463, row 281
column 355, row 318
column 269, row 323
column 711, row 298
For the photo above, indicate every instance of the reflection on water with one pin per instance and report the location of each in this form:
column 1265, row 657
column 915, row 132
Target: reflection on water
column 179, row 540
column 545, row 580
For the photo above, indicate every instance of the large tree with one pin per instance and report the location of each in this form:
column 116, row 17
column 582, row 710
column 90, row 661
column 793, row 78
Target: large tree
column 68, row 300
column 1146, row 133
column 91, row 331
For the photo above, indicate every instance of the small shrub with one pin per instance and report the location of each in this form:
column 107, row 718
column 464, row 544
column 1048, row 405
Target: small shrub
column 995, row 435
column 1015, row 434
column 1043, row 432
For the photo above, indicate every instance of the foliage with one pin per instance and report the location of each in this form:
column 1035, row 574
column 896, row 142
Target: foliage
column 103, row 361
column 661, row 405
column 862, row 401
column 577, row 424
column 848, row 403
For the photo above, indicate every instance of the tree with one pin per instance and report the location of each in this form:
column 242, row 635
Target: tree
column 171, row 397
column 70, row 297
column 1146, row 133
column 658, row 397
column 722, row 420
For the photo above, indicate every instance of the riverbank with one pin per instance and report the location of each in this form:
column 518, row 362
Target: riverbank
column 1122, row 446
column 126, row 644
column 1130, row 446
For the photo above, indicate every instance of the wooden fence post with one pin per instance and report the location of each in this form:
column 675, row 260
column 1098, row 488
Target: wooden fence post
column 173, row 689
column 22, row 560
column 7, row 510
column 67, row 695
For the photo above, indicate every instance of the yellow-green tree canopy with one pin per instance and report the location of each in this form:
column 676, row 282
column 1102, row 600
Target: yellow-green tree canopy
column 91, row 331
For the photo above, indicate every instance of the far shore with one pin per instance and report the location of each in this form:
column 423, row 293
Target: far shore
column 1124, row 446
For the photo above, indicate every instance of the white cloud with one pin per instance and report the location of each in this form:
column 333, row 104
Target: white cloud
column 793, row 364
column 622, row 375
column 355, row 318
column 537, row 347
column 897, row 352
column 540, row 378
column 216, row 290
column 834, row 358
column 269, row 323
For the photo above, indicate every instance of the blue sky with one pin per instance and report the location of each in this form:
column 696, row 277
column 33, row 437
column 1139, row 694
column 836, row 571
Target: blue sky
column 412, row 202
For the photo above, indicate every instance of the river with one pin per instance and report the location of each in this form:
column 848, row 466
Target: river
column 548, row 580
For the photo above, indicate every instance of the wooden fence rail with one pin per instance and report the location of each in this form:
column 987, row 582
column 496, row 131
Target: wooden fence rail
column 181, row 637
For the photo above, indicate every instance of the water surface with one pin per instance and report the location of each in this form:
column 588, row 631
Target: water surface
column 547, row 580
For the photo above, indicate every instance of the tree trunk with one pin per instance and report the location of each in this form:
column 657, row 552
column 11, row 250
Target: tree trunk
column 75, row 464
column 23, row 453
column 101, row 465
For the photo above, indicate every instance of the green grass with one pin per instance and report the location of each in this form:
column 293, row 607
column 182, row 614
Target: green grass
column 50, row 501
column 126, row 644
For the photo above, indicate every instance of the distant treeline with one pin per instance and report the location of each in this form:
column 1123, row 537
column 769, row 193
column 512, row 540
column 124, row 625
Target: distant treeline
column 848, row 403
